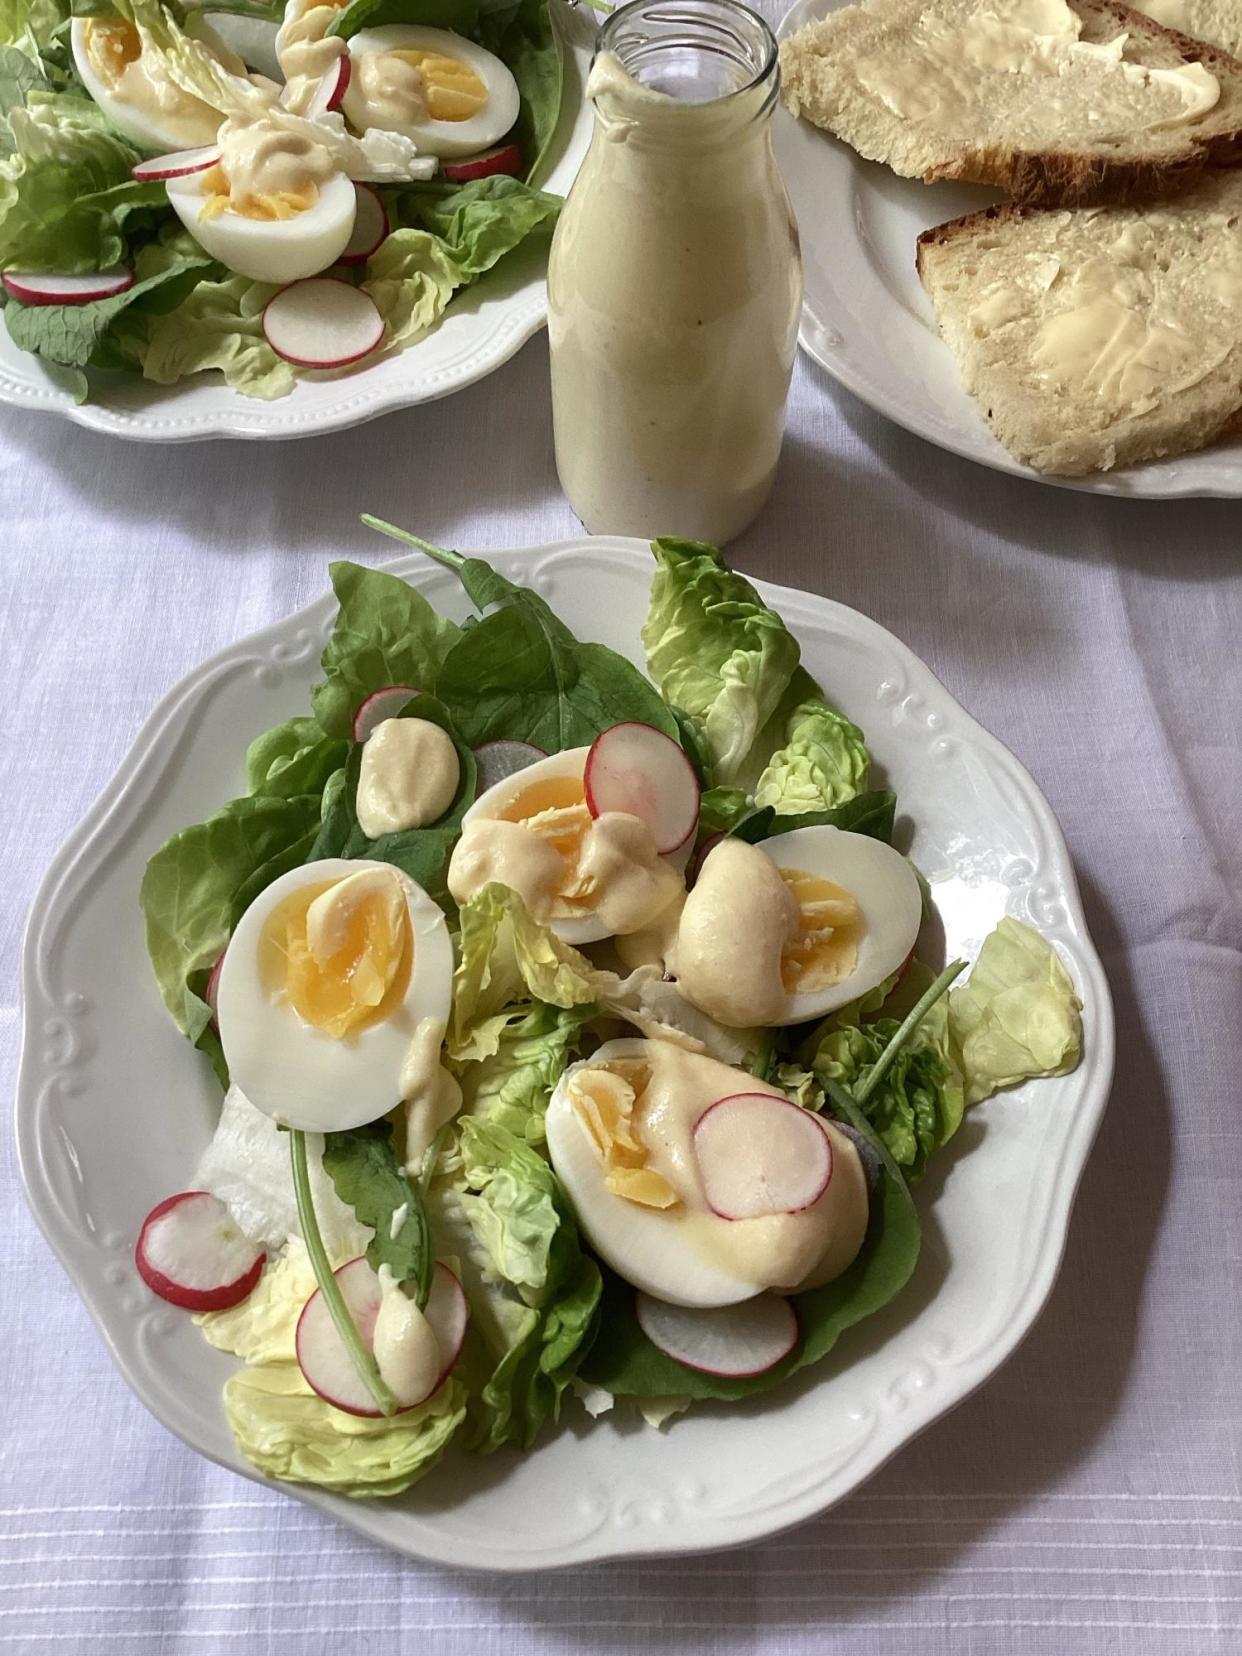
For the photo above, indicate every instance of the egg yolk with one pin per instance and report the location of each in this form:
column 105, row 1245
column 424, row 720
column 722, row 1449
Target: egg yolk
column 271, row 207
column 603, row 1100
column 555, row 808
column 824, row 948
column 451, row 90
column 111, row 47
column 341, row 951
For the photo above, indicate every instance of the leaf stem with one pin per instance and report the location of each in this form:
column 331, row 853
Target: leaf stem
column 913, row 1018
column 450, row 560
column 329, row 1287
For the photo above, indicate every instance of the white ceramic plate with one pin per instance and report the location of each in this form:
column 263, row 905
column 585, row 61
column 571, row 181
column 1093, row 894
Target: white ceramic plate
column 114, row 1109
column 869, row 322
column 482, row 329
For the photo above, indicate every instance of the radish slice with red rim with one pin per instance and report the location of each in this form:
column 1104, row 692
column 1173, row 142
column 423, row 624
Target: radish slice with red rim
column 638, row 769
column 45, row 288
column 191, row 1253
column 370, row 227
column 759, row 1154
column 324, row 1359
column 177, row 164
column 329, row 95
column 381, row 705
column 504, row 158
column 498, row 760
column 732, row 1341
column 322, row 322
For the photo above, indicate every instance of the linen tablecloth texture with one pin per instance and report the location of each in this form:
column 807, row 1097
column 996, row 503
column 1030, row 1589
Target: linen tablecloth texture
column 1088, row 1498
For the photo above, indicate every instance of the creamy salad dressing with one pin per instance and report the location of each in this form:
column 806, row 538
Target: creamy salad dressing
column 114, row 51
column 266, row 171
column 406, row 1350
column 674, row 289
column 432, row 1096
column 781, row 1250
column 734, row 929
column 409, row 776
column 306, row 51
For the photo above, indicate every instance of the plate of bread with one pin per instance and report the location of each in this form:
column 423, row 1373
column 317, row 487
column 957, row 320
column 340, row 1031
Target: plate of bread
column 1022, row 228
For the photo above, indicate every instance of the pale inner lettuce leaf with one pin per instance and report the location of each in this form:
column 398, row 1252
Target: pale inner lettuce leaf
column 219, row 325
column 263, row 1328
column 1017, row 1015
column 411, row 279
column 247, row 1166
column 512, row 1086
column 822, row 763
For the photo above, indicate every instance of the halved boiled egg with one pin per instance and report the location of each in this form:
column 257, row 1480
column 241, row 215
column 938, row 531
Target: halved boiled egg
column 450, row 95
column 794, row 927
column 534, row 832
column 625, row 1137
column 278, row 237
column 326, row 980
column 142, row 104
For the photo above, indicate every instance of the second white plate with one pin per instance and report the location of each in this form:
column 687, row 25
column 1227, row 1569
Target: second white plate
column 868, row 321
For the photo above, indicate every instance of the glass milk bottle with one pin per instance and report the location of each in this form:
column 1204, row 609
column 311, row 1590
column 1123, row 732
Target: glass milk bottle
column 675, row 282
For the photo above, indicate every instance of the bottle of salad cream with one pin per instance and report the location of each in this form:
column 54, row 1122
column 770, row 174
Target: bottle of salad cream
column 675, row 281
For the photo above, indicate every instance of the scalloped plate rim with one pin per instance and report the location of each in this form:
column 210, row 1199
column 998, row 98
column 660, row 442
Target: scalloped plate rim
column 367, row 1517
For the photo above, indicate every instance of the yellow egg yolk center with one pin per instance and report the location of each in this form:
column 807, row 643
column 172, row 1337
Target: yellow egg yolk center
column 451, row 89
column 555, row 808
column 824, row 948
column 271, row 207
column 603, row 1099
column 341, row 951
column 111, row 47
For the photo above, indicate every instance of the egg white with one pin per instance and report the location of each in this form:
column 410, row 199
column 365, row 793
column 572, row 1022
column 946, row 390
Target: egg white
column 641, row 1244
column 494, row 800
column 143, row 128
column 447, row 139
column 271, row 250
column 297, row 1074
column 886, row 890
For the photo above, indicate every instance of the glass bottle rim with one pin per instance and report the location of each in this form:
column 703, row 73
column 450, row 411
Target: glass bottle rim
column 725, row 28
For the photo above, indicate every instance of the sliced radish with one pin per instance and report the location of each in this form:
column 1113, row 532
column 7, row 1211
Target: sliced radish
column 370, row 227
column 322, row 322
column 329, row 95
column 213, row 988
column 178, row 164
column 324, row 1359
column 191, row 1253
column 381, row 705
column 733, row 1341
column 497, row 760
column 759, row 1154
column 504, row 158
column 33, row 288
column 636, row 768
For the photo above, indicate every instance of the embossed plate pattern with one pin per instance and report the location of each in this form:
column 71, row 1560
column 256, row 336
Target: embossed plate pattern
column 481, row 331
column 868, row 321
column 114, row 1109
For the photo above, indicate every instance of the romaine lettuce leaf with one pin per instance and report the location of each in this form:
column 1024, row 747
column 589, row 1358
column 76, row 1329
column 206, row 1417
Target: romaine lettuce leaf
column 386, row 633
column 716, row 651
column 31, row 24
column 1017, row 1015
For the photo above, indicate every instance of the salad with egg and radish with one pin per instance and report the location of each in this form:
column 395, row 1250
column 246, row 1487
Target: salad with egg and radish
column 571, row 1026
column 262, row 188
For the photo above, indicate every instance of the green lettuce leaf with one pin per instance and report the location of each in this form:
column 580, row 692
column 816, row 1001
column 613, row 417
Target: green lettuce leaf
column 506, row 959
column 623, row 1361
column 476, row 224
column 363, row 1167
column 523, row 35
column 31, row 24
column 422, row 853
column 293, row 758
column 411, row 279
column 386, row 633
column 66, row 187
column 1017, row 1015
column 823, row 760
column 867, row 813
column 511, row 1088
column 461, row 16
column 218, row 325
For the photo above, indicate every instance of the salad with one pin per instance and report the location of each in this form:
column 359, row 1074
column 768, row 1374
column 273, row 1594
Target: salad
column 258, row 188
column 571, row 1028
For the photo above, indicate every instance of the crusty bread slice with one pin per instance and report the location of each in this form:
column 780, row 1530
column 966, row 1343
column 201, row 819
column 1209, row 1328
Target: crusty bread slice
column 1097, row 337
column 1219, row 22
column 990, row 92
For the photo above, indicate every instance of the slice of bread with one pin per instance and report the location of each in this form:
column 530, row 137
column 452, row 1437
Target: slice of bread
column 1066, row 101
column 1097, row 337
column 1219, row 22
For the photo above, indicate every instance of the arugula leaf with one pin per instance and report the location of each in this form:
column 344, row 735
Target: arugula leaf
column 625, row 1362
column 363, row 1166
column 422, row 853
column 386, row 633
column 526, row 38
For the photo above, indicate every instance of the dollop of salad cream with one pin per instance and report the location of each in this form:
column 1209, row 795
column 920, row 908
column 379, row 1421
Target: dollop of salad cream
column 432, row 1095
column 405, row 1347
column 265, row 171
column 409, row 776
column 305, row 50
column 113, row 50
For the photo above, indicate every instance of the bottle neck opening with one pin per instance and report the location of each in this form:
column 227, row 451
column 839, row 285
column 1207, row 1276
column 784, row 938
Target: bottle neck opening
column 695, row 52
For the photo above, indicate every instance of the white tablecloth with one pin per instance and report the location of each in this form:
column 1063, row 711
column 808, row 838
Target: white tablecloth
column 1088, row 1499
